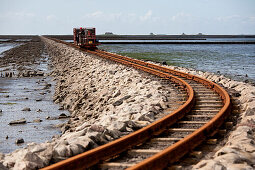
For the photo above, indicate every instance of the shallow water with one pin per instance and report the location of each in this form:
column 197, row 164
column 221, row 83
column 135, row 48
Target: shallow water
column 19, row 93
column 23, row 40
column 4, row 39
column 7, row 46
column 236, row 61
column 23, row 92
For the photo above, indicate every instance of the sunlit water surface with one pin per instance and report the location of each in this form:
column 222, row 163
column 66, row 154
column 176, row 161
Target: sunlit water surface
column 236, row 61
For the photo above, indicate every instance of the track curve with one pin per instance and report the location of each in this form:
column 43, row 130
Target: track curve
column 191, row 108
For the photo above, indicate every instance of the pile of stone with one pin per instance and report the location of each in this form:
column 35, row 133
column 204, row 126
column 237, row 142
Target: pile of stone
column 30, row 73
column 106, row 100
column 21, row 60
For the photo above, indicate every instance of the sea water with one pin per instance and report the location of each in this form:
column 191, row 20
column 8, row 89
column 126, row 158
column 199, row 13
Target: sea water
column 236, row 61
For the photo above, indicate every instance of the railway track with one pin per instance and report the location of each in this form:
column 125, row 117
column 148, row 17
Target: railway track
column 166, row 140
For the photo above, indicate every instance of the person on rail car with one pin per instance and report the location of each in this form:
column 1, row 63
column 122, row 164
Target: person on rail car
column 77, row 38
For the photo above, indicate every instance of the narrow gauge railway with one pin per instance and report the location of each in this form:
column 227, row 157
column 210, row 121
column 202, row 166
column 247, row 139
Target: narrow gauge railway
column 166, row 140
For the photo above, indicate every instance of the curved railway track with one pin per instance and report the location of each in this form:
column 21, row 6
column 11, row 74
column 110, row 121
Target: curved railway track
column 166, row 140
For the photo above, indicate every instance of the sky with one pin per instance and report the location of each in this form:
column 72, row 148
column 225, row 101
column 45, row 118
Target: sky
column 41, row 17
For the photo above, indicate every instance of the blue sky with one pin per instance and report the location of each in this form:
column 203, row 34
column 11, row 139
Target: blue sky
column 128, row 17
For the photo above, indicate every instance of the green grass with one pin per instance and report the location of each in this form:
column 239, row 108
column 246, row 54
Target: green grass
column 4, row 92
column 149, row 56
column 144, row 56
column 8, row 103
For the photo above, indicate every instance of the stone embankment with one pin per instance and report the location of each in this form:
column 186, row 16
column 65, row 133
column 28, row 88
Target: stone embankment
column 239, row 150
column 22, row 60
column 106, row 101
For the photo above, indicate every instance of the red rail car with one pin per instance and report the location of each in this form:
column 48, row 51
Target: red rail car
column 85, row 38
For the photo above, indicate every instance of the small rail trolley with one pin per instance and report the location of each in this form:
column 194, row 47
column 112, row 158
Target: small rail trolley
column 85, row 37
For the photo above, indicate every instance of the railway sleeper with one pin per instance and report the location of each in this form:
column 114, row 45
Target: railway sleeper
column 173, row 140
column 113, row 165
column 205, row 92
column 180, row 129
column 136, row 153
column 206, row 98
column 207, row 148
column 198, row 118
column 155, row 145
column 205, row 110
column 188, row 125
column 207, row 106
column 207, row 95
column 200, row 102
column 173, row 133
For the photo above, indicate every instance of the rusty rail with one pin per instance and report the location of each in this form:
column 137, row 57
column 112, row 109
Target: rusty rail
column 169, row 155
column 179, row 149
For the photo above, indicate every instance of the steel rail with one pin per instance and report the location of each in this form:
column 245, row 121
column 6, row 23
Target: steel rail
column 90, row 158
column 172, row 153
column 179, row 149
column 184, row 146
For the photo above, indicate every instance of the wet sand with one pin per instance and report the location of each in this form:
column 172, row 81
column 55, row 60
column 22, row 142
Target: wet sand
column 30, row 93
column 33, row 91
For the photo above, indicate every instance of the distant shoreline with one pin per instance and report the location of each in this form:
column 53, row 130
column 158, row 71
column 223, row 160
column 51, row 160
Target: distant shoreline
column 183, row 42
column 133, row 37
column 155, row 37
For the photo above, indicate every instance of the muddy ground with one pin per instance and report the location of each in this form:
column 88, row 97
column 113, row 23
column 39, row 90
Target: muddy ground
column 26, row 93
column 22, row 58
column 19, row 38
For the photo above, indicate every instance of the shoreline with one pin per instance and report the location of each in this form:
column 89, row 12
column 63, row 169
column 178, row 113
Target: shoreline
column 83, row 80
column 153, row 37
column 25, row 90
column 180, row 42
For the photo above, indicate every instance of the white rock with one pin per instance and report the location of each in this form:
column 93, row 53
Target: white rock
column 209, row 164
column 240, row 166
column 120, row 126
column 61, row 152
column 73, row 134
column 2, row 167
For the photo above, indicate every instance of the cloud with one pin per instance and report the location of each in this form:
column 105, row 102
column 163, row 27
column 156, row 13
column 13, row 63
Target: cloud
column 51, row 17
column 121, row 17
column 96, row 14
column 182, row 17
column 23, row 14
column 251, row 19
column 102, row 16
column 147, row 16
column 17, row 15
column 228, row 18
column 234, row 19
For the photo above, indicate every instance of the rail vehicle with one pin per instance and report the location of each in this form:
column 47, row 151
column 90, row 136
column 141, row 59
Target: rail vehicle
column 85, row 38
